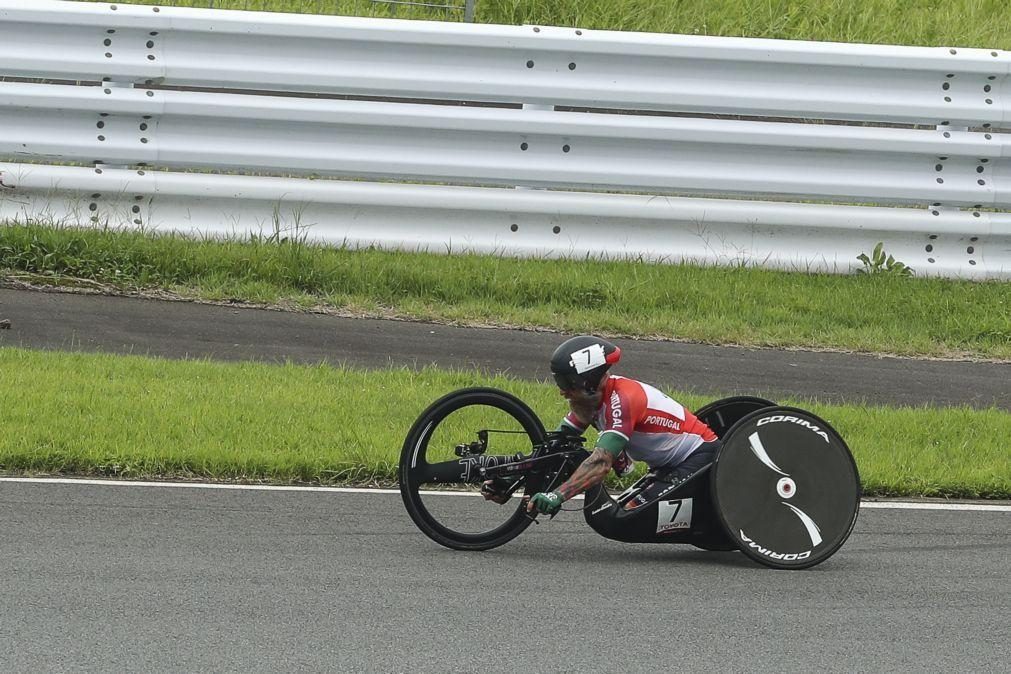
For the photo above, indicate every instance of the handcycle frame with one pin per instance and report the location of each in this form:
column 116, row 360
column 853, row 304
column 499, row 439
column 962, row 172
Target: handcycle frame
column 608, row 517
column 783, row 488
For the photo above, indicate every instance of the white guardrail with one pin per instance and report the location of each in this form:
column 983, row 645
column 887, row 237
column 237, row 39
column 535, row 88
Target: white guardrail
column 131, row 91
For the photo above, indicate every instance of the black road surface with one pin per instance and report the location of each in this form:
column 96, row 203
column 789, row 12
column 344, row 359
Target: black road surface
column 46, row 320
column 115, row 579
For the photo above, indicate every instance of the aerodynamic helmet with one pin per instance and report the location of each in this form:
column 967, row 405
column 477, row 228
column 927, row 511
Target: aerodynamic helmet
column 582, row 362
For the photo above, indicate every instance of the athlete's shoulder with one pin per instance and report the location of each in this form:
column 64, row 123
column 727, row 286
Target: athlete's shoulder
column 636, row 388
column 625, row 384
column 622, row 390
column 660, row 401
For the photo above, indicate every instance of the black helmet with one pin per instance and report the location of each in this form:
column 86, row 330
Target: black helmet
column 581, row 362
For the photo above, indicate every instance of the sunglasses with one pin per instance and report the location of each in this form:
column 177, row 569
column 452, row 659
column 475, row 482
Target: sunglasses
column 566, row 381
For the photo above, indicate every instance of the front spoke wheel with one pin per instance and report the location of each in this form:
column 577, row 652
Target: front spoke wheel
column 440, row 463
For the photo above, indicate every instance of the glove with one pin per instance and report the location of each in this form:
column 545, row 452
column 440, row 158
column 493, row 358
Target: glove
column 548, row 503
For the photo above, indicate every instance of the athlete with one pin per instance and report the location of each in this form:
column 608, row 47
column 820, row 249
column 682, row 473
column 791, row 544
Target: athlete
column 636, row 421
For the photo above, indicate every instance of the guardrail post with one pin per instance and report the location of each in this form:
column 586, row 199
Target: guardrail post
column 943, row 244
column 468, row 11
column 112, row 84
column 524, row 145
column 100, row 205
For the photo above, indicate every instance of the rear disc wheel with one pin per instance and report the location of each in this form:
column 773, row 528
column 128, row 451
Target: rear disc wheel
column 786, row 488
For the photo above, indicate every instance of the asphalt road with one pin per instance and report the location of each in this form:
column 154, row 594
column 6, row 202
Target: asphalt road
column 46, row 320
column 101, row 578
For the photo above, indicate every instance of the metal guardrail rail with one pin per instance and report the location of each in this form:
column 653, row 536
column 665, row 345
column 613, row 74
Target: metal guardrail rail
column 448, row 219
column 185, row 89
column 566, row 150
column 518, row 64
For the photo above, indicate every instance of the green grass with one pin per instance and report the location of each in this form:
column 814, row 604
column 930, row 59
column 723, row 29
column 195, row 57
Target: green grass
column 968, row 23
column 736, row 305
column 136, row 417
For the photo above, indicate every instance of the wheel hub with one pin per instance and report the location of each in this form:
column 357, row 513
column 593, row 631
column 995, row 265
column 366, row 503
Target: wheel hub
column 786, row 487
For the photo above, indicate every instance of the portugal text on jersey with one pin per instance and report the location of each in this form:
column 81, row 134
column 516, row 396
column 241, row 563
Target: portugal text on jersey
column 659, row 430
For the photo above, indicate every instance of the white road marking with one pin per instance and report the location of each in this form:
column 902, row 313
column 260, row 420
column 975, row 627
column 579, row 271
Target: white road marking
column 898, row 505
column 215, row 485
column 914, row 505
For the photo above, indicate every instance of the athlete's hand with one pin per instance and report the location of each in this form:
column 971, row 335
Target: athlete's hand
column 490, row 494
column 548, row 503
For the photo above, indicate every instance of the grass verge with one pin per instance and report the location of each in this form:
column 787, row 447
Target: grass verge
column 137, row 417
column 969, row 23
column 722, row 305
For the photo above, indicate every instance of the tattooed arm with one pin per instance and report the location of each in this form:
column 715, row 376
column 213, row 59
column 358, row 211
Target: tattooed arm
column 590, row 473
column 611, row 442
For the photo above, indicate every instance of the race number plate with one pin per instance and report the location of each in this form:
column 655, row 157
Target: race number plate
column 674, row 516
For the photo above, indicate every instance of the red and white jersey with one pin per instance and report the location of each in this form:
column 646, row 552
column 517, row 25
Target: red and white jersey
column 659, row 430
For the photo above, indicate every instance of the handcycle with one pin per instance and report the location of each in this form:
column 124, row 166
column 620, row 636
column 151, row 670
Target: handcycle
column 783, row 489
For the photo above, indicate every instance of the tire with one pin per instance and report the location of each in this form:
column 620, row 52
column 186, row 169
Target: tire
column 785, row 488
column 721, row 415
column 467, row 523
